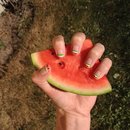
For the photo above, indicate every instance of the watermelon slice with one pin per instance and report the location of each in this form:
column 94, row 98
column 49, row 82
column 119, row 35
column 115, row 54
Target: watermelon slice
column 70, row 73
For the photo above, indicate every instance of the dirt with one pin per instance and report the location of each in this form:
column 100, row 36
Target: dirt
column 30, row 27
column 5, row 41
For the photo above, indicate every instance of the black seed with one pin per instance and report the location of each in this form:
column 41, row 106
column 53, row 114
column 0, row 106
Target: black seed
column 61, row 64
column 52, row 53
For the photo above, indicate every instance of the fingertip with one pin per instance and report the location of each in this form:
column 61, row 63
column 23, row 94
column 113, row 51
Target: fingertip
column 76, row 49
column 77, row 42
column 101, row 46
column 59, row 45
column 41, row 74
column 94, row 54
column 97, row 75
column 60, row 53
column 103, row 68
column 108, row 61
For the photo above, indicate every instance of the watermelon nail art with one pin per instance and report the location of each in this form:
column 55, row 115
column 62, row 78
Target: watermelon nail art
column 97, row 74
column 75, row 49
column 60, row 53
column 88, row 62
column 44, row 70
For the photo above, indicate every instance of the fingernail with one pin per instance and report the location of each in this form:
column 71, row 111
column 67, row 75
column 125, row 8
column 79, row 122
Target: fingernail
column 88, row 62
column 60, row 53
column 44, row 70
column 97, row 74
column 75, row 49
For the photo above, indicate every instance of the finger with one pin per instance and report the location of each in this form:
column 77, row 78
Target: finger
column 94, row 54
column 77, row 42
column 59, row 45
column 40, row 78
column 103, row 68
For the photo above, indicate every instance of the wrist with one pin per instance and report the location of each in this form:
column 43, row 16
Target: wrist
column 72, row 121
column 61, row 112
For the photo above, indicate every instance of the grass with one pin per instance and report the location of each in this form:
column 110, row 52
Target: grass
column 1, row 44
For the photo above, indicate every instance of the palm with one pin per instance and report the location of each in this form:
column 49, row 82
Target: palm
column 72, row 102
column 65, row 100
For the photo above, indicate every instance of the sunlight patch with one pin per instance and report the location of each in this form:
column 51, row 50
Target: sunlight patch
column 1, row 9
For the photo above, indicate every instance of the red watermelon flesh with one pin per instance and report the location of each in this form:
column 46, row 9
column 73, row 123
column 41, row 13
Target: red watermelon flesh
column 70, row 74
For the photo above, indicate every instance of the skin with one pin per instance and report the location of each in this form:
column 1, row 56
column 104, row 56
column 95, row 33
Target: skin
column 73, row 111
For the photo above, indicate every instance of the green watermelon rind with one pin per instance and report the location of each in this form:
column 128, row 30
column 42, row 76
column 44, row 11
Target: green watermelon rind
column 34, row 60
column 84, row 92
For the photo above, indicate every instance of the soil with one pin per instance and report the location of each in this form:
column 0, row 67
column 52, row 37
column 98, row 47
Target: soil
column 30, row 27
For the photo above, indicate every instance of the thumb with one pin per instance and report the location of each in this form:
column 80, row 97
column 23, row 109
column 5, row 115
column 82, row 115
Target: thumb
column 40, row 78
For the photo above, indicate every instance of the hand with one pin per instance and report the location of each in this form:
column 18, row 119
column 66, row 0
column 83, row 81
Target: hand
column 66, row 102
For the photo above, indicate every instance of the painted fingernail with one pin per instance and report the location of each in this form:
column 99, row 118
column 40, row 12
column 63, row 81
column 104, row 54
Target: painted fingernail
column 97, row 74
column 44, row 70
column 88, row 62
column 75, row 49
column 60, row 53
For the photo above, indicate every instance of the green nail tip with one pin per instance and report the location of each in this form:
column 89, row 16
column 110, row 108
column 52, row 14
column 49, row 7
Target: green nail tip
column 60, row 55
column 75, row 51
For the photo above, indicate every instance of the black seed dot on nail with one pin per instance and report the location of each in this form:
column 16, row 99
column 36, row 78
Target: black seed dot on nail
column 47, row 66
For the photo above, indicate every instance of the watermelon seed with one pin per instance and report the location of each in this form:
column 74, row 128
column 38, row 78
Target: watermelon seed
column 52, row 53
column 61, row 64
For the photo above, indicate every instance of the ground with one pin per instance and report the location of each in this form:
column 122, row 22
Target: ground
column 30, row 27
